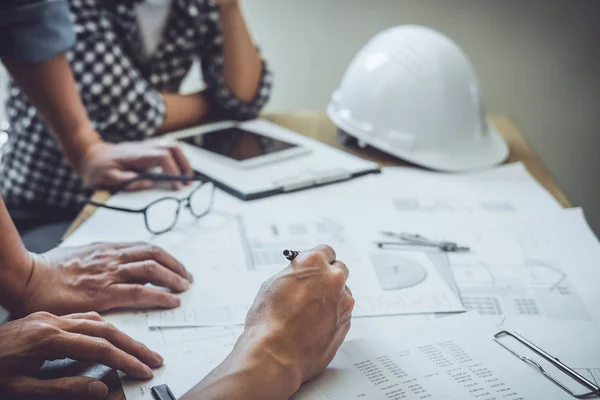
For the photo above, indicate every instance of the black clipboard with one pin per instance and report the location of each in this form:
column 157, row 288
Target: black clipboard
column 280, row 190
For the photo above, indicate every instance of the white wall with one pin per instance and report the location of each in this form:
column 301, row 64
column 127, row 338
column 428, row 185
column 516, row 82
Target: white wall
column 538, row 60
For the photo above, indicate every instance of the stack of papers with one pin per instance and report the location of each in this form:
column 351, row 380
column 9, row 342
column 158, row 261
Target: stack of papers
column 531, row 267
column 454, row 358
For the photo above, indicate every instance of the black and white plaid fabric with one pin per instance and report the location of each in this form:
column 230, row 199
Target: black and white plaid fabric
column 121, row 92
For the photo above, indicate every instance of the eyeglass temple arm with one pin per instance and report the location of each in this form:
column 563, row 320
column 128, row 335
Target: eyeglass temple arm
column 129, row 210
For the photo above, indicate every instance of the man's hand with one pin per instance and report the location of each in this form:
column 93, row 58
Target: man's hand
column 27, row 343
column 298, row 321
column 106, row 165
column 102, row 277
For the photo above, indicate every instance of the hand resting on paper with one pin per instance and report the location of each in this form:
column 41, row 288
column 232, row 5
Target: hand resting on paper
column 100, row 277
column 27, row 343
column 298, row 321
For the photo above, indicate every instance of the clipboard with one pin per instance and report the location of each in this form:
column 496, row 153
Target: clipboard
column 295, row 187
column 593, row 389
column 323, row 165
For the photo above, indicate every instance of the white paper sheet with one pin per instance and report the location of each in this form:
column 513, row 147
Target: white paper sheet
column 190, row 354
column 454, row 358
column 217, row 299
column 225, row 300
column 505, row 191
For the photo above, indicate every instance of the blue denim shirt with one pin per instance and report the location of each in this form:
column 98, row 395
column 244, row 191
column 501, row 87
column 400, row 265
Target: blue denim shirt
column 34, row 30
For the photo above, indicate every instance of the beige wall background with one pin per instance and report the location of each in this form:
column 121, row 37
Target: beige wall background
column 538, row 61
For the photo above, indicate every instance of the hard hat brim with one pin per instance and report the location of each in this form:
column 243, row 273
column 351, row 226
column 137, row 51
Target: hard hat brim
column 485, row 152
column 490, row 150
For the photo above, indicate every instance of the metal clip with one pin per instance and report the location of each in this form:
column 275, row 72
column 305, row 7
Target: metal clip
column 162, row 392
column 412, row 239
column 595, row 390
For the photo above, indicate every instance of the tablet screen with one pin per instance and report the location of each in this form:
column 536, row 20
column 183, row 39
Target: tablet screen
column 238, row 144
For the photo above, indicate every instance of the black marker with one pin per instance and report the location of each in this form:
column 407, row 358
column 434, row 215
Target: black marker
column 290, row 254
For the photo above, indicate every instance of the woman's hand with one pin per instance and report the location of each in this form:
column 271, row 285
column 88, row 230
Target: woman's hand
column 27, row 343
column 106, row 165
column 102, row 277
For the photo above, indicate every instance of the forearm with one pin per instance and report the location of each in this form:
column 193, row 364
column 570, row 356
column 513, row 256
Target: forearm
column 242, row 64
column 16, row 264
column 51, row 88
column 250, row 372
column 183, row 111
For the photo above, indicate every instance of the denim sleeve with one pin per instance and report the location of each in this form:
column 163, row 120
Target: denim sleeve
column 34, row 30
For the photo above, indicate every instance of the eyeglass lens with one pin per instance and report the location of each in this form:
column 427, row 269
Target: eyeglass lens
column 162, row 215
column 201, row 200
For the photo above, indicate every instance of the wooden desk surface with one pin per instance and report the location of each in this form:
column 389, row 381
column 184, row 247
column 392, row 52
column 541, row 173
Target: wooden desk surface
column 317, row 126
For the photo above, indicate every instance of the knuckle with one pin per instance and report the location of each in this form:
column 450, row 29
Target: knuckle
column 94, row 315
column 150, row 268
column 326, row 249
column 104, row 345
column 136, row 292
column 314, row 259
column 42, row 316
column 45, row 331
column 122, row 254
column 351, row 302
column 155, row 251
column 338, row 277
column 107, row 327
column 67, row 386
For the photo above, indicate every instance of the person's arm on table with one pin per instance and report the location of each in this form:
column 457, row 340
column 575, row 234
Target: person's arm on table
column 28, row 284
column 98, row 277
column 241, row 72
column 35, row 34
column 183, row 111
column 237, row 79
column 298, row 321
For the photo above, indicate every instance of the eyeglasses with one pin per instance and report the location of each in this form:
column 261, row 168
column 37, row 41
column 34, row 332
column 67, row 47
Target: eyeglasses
column 162, row 214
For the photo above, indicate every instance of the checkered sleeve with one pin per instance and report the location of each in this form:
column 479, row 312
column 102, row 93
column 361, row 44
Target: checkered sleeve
column 120, row 102
column 212, row 60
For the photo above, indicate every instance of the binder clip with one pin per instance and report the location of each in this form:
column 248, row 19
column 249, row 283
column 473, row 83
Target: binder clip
column 162, row 392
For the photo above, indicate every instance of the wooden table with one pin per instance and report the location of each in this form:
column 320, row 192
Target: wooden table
column 317, row 126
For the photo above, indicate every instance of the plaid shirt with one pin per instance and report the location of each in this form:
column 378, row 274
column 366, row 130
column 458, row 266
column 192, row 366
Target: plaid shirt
column 121, row 91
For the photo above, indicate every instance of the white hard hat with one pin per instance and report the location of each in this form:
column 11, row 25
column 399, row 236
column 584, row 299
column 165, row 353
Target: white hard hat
column 413, row 93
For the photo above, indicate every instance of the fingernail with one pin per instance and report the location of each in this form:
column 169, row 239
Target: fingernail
column 190, row 277
column 97, row 390
column 158, row 357
column 185, row 283
column 176, row 301
column 149, row 373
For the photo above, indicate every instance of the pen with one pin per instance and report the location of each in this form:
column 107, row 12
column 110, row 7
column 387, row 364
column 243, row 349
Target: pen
column 290, row 254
